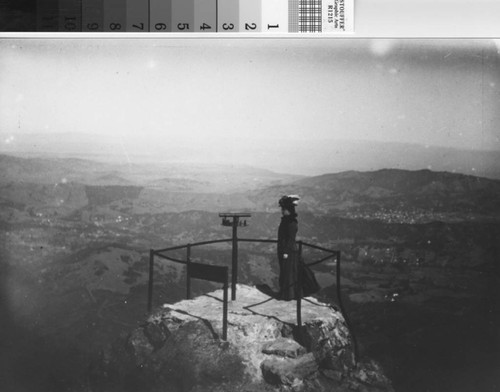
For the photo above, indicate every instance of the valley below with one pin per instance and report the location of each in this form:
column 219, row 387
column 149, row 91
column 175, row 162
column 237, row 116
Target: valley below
column 419, row 261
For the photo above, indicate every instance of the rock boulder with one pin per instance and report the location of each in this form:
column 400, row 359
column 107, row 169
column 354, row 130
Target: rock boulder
column 179, row 348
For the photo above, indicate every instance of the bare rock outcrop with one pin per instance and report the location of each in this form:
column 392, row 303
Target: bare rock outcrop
column 179, row 348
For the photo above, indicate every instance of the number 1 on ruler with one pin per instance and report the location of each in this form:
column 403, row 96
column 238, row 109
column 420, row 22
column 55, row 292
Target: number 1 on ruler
column 274, row 16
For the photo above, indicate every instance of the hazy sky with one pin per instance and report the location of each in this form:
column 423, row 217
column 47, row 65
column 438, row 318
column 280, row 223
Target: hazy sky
column 430, row 92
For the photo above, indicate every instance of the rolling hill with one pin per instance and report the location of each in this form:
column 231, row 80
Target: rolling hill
column 391, row 195
column 424, row 194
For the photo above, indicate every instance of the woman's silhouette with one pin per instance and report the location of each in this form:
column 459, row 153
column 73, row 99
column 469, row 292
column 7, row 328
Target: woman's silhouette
column 288, row 256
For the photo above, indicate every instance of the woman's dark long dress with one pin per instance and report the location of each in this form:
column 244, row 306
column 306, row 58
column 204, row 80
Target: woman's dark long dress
column 287, row 244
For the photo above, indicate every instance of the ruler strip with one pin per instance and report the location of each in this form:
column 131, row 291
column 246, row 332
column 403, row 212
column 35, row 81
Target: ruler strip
column 228, row 16
column 250, row 16
column 115, row 15
column 275, row 16
column 70, row 16
column 137, row 16
column 47, row 15
column 160, row 19
column 92, row 16
column 184, row 16
column 205, row 16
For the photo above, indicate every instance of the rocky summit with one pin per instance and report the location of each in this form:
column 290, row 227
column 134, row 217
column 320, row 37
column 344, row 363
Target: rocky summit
column 179, row 348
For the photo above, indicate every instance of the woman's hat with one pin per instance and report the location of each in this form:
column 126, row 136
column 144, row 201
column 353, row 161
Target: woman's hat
column 289, row 201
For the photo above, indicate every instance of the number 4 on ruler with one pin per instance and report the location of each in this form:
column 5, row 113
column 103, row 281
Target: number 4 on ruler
column 205, row 16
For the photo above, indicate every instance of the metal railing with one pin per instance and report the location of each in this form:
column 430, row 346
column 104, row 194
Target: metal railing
column 161, row 253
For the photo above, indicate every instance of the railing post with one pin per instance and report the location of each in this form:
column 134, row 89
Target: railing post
column 150, row 286
column 234, row 271
column 298, row 287
column 224, row 309
column 188, row 277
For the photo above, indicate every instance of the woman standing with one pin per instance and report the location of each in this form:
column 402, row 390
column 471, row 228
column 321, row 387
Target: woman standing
column 288, row 256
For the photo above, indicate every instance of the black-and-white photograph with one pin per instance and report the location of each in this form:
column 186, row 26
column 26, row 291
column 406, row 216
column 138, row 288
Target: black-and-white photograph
column 249, row 214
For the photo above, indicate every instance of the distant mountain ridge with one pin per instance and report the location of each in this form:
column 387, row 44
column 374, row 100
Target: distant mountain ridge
column 184, row 177
column 355, row 192
column 399, row 181
column 391, row 195
column 304, row 157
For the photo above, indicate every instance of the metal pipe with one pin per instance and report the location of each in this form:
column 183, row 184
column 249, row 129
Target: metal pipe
column 234, row 270
column 319, row 247
column 171, row 248
column 257, row 240
column 211, row 242
column 224, row 309
column 320, row 260
column 240, row 239
column 171, row 258
column 195, row 244
column 298, row 288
